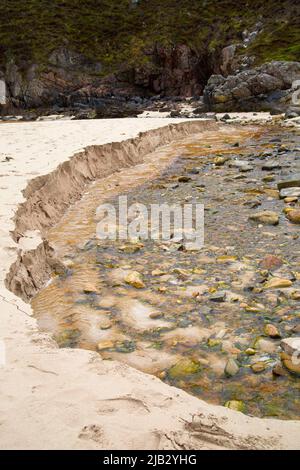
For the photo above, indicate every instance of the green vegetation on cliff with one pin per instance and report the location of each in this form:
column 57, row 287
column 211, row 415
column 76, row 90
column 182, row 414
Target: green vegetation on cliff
column 117, row 31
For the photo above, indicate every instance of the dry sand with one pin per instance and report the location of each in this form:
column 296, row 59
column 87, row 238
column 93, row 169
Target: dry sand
column 54, row 398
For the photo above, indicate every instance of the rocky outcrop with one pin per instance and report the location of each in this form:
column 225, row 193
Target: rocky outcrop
column 71, row 80
column 176, row 71
column 228, row 54
column 37, row 86
column 265, row 88
column 235, row 57
column 66, row 56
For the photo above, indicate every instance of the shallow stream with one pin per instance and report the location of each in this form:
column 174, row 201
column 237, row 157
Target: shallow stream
column 195, row 319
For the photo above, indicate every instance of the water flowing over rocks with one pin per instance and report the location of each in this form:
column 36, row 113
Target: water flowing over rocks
column 203, row 321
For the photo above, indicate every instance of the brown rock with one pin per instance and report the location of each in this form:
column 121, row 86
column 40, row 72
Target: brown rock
column 135, row 279
column 184, row 179
column 277, row 283
column 258, row 367
column 105, row 345
column 295, row 295
column 271, row 262
column 279, row 371
column 290, row 182
column 155, row 315
column 219, row 161
column 105, row 324
column 294, row 216
column 272, row 331
column 291, row 365
column 288, row 200
column 265, row 217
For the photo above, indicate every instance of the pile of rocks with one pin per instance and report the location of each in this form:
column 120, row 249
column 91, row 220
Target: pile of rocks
column 265, row 88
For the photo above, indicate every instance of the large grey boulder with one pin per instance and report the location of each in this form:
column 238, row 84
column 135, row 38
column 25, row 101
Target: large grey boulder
column 268, row 87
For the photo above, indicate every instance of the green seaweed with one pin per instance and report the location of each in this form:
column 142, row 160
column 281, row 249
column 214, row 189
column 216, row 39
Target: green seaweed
column 184, row 368
column 67, row 338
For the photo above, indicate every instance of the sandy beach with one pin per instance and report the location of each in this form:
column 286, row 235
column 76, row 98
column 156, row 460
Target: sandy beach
column 55, row 398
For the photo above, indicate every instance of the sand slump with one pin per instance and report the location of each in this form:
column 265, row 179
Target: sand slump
column 49, row 196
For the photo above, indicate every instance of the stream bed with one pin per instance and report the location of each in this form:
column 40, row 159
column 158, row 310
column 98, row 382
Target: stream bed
column 209, row 321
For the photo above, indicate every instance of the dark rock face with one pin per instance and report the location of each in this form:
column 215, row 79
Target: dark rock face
column 268, row 88
column 177, row 71
column 75, row 52
column 66, row 79
column 70, row 79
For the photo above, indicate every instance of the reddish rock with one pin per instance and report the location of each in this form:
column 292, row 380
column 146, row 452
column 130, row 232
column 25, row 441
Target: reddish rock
column 294, row 216
column 271, row 262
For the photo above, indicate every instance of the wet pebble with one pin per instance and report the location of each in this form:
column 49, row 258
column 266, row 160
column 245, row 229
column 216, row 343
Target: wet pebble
column 258, row 367
column 272, row 331
column 277, row 283
column 134, row 279
column 231, row 368
column 265, row 217
column 294, row 216
column 271, row 165
column 219, row 296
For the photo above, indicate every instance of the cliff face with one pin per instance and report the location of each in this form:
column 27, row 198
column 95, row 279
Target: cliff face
column 69, row 52
column 70, row 78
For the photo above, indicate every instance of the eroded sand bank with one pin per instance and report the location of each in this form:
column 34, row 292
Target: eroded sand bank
column 66, row 398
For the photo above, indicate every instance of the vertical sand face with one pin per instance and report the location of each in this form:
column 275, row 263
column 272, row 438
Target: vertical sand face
column 49, row 196
column 82, row 401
